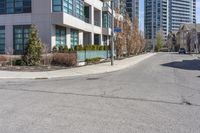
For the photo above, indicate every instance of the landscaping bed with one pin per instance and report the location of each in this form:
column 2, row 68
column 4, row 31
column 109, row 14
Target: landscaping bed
column 32, row 68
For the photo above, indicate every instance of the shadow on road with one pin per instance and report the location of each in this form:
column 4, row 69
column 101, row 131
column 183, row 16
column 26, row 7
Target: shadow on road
column 185, row 64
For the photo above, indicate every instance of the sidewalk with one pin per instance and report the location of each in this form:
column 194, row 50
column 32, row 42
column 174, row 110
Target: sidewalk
column 86, row 70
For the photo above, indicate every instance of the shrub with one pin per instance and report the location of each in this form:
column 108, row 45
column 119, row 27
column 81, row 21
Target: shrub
column 64, row 59
column 32, row 55
column 19, row 62
column 93, row 60
column 55, row 49
column 3, row 58
column 60, row 49
column 79, row 47
column 101, row 47
column 65, row 49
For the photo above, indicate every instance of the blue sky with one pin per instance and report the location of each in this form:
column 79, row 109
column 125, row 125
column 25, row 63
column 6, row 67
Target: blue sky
column 142, row 13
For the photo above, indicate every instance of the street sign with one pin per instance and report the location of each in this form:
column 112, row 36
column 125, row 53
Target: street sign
column 117, row 29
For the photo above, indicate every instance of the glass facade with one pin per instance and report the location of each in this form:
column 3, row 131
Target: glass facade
column 167, row 16
column 107, row 20
column 60, row 36
column 74, row 38
column 57, row 5
column 2, row 39
column 21, row 34
column 15, row 6
column 72, row 7
column 132, row 8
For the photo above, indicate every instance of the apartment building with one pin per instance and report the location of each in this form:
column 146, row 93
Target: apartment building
column 59, row 22
column 167, row 16
column 132, row 8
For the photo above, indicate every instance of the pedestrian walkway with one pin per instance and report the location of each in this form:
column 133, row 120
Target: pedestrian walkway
column 86, row 70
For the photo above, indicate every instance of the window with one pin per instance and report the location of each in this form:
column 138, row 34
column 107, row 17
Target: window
column 74, row 38
column 2, row 39
column 107, row 20
column 57, row 5
column 72, row 7
column 79, row 9
column 2, row 6
column 21, row 34
column 15, row 6
column 60, row 36
column 68, row 6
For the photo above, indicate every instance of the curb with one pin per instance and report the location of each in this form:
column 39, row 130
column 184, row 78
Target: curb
column 73, row 72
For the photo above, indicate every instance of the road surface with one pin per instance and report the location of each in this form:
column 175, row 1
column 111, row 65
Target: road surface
column 158, row 95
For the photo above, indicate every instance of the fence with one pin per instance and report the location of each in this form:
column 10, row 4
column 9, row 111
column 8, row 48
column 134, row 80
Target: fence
column 89, row 54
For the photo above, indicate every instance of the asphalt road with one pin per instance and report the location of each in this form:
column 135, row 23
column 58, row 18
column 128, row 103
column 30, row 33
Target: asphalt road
column 158, row 95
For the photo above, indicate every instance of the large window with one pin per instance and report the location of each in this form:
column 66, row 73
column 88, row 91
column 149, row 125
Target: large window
column 72, row 7
column 57, row 5
column 74, row 38
column 2, row 39
column 68, row 6
column 60, row 36
column 15, row 6
column 79, row 10
column 107, row 20
column 21, row 34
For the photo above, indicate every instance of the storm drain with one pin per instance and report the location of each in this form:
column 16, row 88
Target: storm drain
column 93, row 78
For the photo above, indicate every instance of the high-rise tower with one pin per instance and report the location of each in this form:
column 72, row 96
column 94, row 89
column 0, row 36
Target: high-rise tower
column 167, row 16
column 132, row 8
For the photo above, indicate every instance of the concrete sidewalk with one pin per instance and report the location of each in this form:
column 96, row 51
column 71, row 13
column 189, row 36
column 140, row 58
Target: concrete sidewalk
column 86, row 70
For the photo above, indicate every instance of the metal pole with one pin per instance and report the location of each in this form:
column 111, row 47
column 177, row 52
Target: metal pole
column 112, row 36
column 196, row 39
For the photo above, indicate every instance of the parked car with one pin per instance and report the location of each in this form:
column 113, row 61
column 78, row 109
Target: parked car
column 182, row 51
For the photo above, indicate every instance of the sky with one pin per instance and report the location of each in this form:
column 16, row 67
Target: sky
column 142, row 13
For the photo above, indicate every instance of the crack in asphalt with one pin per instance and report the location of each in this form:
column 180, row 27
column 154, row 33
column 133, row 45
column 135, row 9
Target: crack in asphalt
column 183, row 102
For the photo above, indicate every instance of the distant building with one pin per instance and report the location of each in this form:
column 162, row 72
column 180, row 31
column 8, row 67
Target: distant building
column 167, row 16
column 132, row 8
column 188, row 37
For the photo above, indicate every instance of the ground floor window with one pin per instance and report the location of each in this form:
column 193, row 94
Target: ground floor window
column 2, row 39
column 60, row 36
column 74, row 38
column 105, row 38
column 97, row 39
column 21, row 34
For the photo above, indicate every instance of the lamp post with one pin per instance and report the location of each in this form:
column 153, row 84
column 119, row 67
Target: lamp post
column 112, row 31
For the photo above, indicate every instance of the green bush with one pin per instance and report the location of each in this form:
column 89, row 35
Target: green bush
column 19, row 62
column 33, row 53
column 79, row 47
column 55, row 49
column 93, row 60
column 65, row 49
column 101, row 48
column 61, row 49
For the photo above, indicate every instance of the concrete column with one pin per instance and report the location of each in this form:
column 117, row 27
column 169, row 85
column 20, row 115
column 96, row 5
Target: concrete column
column 108, row 40
column 9, row 48
column 92, row 14
column 53, row 36
column 101, row 20
column 80, row 37
column 68, row 37
column 101, row 39
column 92, row 38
